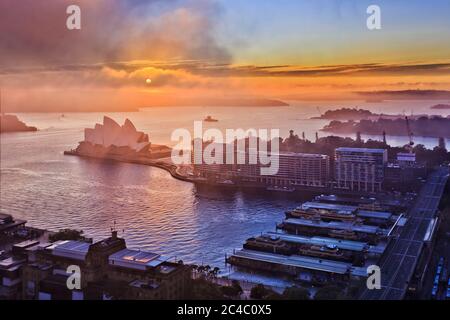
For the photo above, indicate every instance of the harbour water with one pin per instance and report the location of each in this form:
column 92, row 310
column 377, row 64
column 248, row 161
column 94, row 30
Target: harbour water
column 152, row 210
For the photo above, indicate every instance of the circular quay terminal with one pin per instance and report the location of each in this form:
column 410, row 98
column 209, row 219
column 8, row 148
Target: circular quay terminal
column 224, row 159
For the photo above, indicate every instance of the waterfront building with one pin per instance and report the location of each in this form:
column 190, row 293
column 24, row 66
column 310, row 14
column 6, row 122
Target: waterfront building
column 307, row 269
column 334, row 229
column 360, row 169
column 339, row 212
column 321, row 242
column 300, row 169
column 294, row 169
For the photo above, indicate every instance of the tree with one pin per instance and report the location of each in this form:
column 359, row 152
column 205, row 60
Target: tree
column 258, row 292
column 272, row 295
column 295, row 293
column 67, row 234
column 331, row 292
column 236, row 285
column 202, row 289
column 216, row 271
column 230, row 291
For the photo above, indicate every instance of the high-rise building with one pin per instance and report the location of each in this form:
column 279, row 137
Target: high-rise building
column 360, row 169
column 300, row 169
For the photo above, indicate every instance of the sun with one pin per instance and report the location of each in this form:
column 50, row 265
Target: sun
column 148, row 81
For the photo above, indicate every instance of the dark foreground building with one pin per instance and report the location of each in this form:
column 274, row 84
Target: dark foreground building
column 109, row 270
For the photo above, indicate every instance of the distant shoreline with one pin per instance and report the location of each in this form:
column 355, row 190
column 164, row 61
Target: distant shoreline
column 441, row 107
column 229, row 103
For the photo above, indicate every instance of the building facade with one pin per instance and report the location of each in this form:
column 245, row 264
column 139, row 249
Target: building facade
column 360, row 169
column 294, row 169
column 405, row 174
column 108, row 270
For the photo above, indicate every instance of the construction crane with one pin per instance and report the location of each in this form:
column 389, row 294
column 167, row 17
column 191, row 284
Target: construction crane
column 410, row 135
column 320, row 112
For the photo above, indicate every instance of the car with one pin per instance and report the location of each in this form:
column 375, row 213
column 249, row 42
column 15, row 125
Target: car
column 448, row 290
column 434, row 291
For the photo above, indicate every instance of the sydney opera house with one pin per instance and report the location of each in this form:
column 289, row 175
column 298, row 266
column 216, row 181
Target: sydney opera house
column 112, row 138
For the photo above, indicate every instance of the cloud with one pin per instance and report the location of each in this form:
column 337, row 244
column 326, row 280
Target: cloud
column 34, row 32
column 200, row 73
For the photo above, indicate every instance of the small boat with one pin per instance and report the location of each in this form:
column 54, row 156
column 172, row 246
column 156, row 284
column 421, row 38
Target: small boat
column 210, row 119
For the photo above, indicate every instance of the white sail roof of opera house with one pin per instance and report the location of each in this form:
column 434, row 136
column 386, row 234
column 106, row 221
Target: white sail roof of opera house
column 110, row 133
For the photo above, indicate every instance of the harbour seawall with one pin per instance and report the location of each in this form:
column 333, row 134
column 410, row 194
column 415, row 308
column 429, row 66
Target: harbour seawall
column 143, row 160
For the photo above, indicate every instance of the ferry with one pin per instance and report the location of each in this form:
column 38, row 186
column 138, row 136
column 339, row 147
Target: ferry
column 343, row 234
column 210, row 119
column 273, row 244
column 326, row 251
column 320, row 214
column 270, row 244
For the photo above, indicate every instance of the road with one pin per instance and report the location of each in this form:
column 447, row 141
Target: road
column 399, row 261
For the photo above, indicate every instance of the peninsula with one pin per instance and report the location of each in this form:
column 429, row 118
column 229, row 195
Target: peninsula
column 111, row 141
column 433, row 126
column 355, row 114
column 346, row 114
column 11, row 123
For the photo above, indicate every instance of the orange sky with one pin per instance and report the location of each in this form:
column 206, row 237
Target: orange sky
column 199, row 51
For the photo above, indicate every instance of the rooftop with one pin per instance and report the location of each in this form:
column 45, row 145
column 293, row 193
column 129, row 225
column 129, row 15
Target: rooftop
column 341, row 244
column 304, row 155
column 295, row 261
column 288, row 154
column 335, row 198
column 26, row 244
column 335, row 225
column 365, row 150
column 11, row 262
column 143, row 284
column 70, row 249
column 346, row 209
column 329, row 206
column 135, row 259
column 374, row 214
